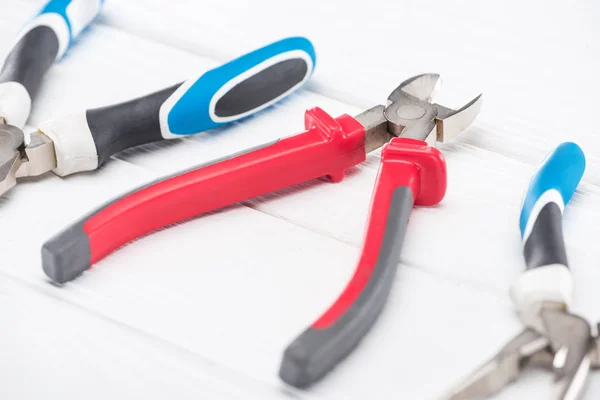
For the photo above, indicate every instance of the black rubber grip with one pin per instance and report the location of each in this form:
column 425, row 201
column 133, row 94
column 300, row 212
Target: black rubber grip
column 30, row 59
column 545, row 245
column 317, row 351
column 261, row 88
column 129, row 124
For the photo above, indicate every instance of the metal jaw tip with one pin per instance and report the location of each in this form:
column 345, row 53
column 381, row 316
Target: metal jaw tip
column 503, row 368
column 570, row 338
column 11, row 145
column 595, row 352
column 410, row 112
column 18, row 161
column 450, row 123
column 39, row 156
column 566, row 347
column 420, row 86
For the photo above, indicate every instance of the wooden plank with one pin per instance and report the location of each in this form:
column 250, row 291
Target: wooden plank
column 54, row 350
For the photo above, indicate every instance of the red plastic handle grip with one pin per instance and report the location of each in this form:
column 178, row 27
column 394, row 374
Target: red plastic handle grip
column 410, row 172
column 328, row 147
column 407, row 163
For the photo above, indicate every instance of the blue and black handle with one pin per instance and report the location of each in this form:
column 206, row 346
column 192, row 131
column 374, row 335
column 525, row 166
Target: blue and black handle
column 233, row 91
column 549, row 191
column 547, row 278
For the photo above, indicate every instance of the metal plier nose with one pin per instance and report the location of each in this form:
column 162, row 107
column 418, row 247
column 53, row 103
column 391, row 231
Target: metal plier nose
column 411, row 114
column 553, row 337
column 411, row 172
column 18, row 160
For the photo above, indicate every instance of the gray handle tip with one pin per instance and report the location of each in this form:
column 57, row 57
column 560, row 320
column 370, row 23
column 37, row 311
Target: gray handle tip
column 294, row 369
column 66, row 255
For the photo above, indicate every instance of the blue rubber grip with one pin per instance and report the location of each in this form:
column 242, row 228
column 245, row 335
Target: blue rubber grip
column 561, row 170
column 60, row 7
column 239, row 88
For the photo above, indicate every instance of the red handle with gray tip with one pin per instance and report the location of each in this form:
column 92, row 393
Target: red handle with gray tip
column 411, row 173
column 327, row 148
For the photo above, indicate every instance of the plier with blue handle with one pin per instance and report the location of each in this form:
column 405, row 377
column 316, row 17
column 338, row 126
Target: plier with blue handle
column 553, row 337
column 85, row 140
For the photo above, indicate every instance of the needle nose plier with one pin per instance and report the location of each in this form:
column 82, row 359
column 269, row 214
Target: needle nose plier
column 553, row 337
column 85, row 140
column 411, row 172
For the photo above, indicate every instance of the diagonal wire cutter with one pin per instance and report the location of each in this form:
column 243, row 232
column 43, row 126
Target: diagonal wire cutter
column 411, row 172
column 84, row 140
column 553, row 337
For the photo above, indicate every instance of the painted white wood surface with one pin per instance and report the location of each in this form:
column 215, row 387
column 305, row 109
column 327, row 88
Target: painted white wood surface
column 204, row 309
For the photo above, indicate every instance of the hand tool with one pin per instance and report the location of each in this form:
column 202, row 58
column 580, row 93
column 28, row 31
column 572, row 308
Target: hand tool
column 85, row 140
column 410, row 172
column 553, row 337
column 43, row 40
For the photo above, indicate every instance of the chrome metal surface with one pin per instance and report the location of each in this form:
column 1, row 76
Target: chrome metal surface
column 11, row 145
column 18, row 160
column 595, row 349
column 502, row 369
column 376, row 128
column 565, row 346
column 570, row 337
column 411, row 114
column 420, row 86
column 451, row 123
column 39, row 156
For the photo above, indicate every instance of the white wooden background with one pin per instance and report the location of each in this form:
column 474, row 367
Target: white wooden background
column 205, row 309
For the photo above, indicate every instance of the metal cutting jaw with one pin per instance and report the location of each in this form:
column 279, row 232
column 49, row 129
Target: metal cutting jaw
column 19, row 160
column 410, row 113
column 11, row 146
column 566, row 348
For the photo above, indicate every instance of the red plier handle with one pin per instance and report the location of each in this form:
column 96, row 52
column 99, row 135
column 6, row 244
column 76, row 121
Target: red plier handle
column 328, row 147
column 410, row 173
